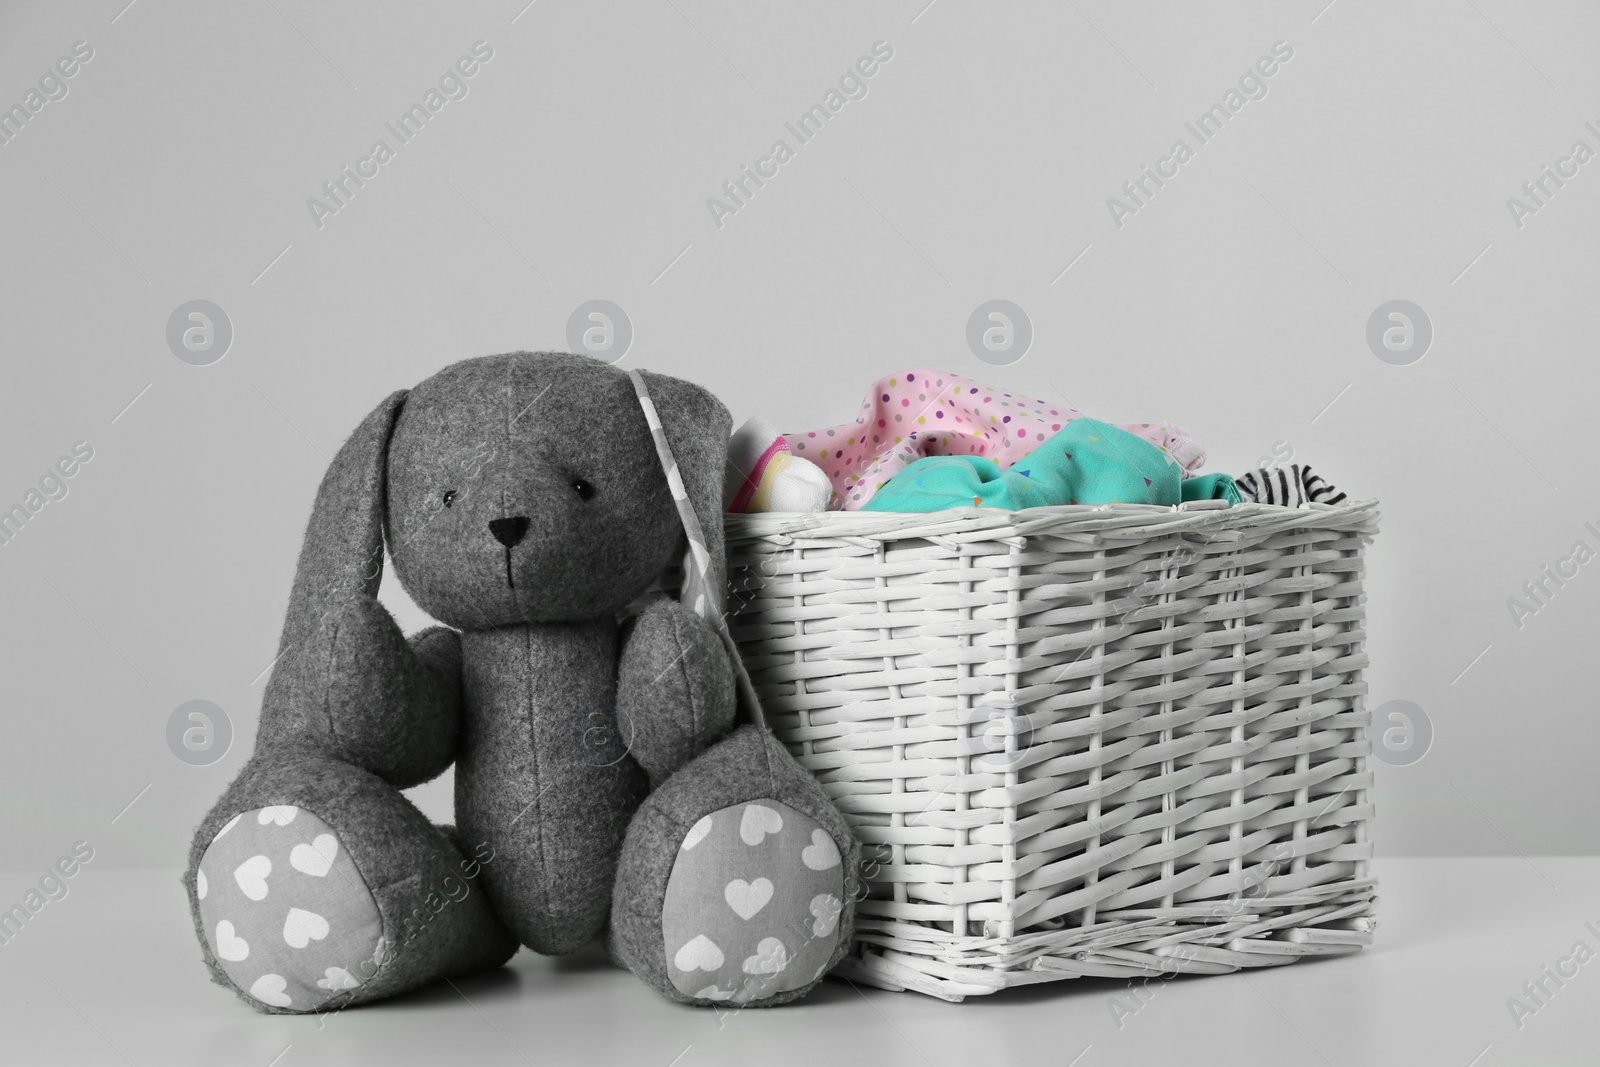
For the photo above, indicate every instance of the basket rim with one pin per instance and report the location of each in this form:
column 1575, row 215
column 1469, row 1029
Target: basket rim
column 1205, row 518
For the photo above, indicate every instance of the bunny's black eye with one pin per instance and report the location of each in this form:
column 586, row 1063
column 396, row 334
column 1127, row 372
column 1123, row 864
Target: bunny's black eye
column 583, row 489
column 449, row 497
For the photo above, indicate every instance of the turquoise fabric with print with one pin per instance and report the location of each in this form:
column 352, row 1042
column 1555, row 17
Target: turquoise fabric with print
column 1088, row 462
column 1212, row 487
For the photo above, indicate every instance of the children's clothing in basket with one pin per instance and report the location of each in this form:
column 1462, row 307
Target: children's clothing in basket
column 764, row 475
column 919, row 413
column 1087, row 462
column 1290, row 486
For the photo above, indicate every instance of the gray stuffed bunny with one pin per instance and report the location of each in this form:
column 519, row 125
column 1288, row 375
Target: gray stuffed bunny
column 602, row 786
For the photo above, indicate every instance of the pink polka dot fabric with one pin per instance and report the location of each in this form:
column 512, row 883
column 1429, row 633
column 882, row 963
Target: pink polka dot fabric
column 923, row 412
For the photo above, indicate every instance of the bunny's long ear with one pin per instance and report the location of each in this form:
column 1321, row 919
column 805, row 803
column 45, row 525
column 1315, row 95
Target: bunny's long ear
column 342, row 557
column 696, row 427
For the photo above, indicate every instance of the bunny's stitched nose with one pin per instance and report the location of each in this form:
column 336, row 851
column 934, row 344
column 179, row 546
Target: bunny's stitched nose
column 509, row 531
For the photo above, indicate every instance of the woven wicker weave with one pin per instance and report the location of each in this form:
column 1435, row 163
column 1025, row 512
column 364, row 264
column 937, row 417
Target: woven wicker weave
column 1119, row 741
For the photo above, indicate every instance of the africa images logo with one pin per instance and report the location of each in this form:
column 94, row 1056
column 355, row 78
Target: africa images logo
column 1252, row 85
column 852, row 85
column 453, row 85
column 53, row 85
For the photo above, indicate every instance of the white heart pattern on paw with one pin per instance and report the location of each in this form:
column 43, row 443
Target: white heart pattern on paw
column 282, row 902
column 697, row 833
column 825, row 909
column 229, row 825
column 782, row 877
column 770, row 958
column 282, row 815
column 301, row 927
column 230, row 946
column 252, row 877
column 758, row 821
column 338, row 979
column 747, row 898
column 822, row 853
column 315, row 859
column 269, row 990
column 700, row 954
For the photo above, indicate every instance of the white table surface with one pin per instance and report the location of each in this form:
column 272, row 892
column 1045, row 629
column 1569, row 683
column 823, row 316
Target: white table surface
column 111, row 975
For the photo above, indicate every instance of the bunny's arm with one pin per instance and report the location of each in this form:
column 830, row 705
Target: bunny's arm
column 394, row 704
column 359, row 690
column 675, row 689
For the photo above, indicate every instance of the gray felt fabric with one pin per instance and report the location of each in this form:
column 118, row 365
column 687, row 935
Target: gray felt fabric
column 347, row 683
column 675, row 689
column 543, row 776
column 747, row 765
column 510, row 436
column 697, row 428
column 524, row 698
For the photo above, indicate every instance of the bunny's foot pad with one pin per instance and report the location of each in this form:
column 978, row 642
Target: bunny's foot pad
column 752, row 904
column 289, row 918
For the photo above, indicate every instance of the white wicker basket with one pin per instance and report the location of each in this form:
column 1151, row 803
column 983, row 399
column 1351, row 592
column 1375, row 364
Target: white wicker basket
column 1120, row 741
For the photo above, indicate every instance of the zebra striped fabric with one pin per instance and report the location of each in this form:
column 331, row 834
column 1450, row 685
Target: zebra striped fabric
column 1290, row 486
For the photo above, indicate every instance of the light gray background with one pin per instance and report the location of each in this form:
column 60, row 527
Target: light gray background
column 978, row 166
